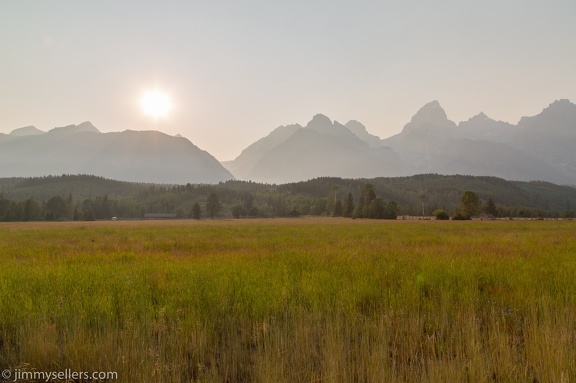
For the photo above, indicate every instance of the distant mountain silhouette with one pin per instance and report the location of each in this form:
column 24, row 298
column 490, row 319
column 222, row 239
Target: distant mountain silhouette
column 243, row 165
column 537, row 148
column 86, row 126
column 26, row 131
column 322, row 148
column 421, row 140
column 142, row 156
column 551, row 136
column 360, row 131
column 531, row 150
column 482, row 127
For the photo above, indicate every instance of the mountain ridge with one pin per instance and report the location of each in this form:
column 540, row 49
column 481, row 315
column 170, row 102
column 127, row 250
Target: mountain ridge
column 537, row 148
column 322, row 147
column 141, row 156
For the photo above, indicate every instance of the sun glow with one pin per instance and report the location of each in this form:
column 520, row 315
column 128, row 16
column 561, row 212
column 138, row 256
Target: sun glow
column 156, row 104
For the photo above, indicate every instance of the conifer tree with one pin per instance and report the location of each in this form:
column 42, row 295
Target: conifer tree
column 490, row 208
column 213, row 206
column 368, row 196
column 469, row 204
column 196, row 211
column 348, row 209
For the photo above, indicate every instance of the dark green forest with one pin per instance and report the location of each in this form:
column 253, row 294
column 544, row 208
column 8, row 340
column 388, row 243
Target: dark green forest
column 86, row 197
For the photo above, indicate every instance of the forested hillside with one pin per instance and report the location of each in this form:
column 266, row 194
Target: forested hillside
column 85, row 197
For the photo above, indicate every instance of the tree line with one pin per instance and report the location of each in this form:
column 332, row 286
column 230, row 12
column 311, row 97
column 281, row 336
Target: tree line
column 94, row 198
column 197, row 202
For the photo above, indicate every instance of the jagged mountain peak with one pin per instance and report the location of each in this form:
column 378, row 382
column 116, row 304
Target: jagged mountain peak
column 561, row 102
column 560, row 106
column 319, row 121
column 323, row 125
column 86, row 126
column 434, row 104
column 482, row 127
column 355, row 126
column 361, row 132
column 559, row 118
column 480, row 117
column 432, row 119
column 432, row 112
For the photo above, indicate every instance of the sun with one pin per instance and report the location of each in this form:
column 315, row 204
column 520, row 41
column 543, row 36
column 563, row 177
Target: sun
column 156, row 104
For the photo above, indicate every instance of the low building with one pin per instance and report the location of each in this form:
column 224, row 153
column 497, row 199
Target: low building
column 159, row 215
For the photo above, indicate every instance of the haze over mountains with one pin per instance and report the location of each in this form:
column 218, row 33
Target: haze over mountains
column 537, row 148
column 143, row 156
column 321, row 148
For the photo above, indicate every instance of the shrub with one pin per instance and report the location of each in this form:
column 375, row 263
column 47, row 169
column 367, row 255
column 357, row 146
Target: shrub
column 441, row 215
column 460, row 217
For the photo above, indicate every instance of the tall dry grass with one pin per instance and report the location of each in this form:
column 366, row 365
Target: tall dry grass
column 292, row 300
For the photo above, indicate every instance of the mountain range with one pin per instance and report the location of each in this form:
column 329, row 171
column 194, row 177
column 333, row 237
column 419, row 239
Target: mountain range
column 321, row 148
column 537, row 148
column 142, row 156
column 540, row 148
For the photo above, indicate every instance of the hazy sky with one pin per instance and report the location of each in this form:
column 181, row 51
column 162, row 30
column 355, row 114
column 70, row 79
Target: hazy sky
column 235, row 70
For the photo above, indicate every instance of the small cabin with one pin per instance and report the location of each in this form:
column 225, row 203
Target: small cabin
column 294, row 213
column 159, row 215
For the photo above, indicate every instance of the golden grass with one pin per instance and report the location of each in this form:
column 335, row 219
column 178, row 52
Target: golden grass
column 284, row 300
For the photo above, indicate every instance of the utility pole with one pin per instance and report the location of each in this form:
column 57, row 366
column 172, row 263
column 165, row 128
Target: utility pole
column 422, row 198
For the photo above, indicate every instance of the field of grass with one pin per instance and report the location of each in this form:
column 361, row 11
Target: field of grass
column 293, row 300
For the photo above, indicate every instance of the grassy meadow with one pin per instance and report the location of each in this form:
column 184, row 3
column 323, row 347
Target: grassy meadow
column 292, row 300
